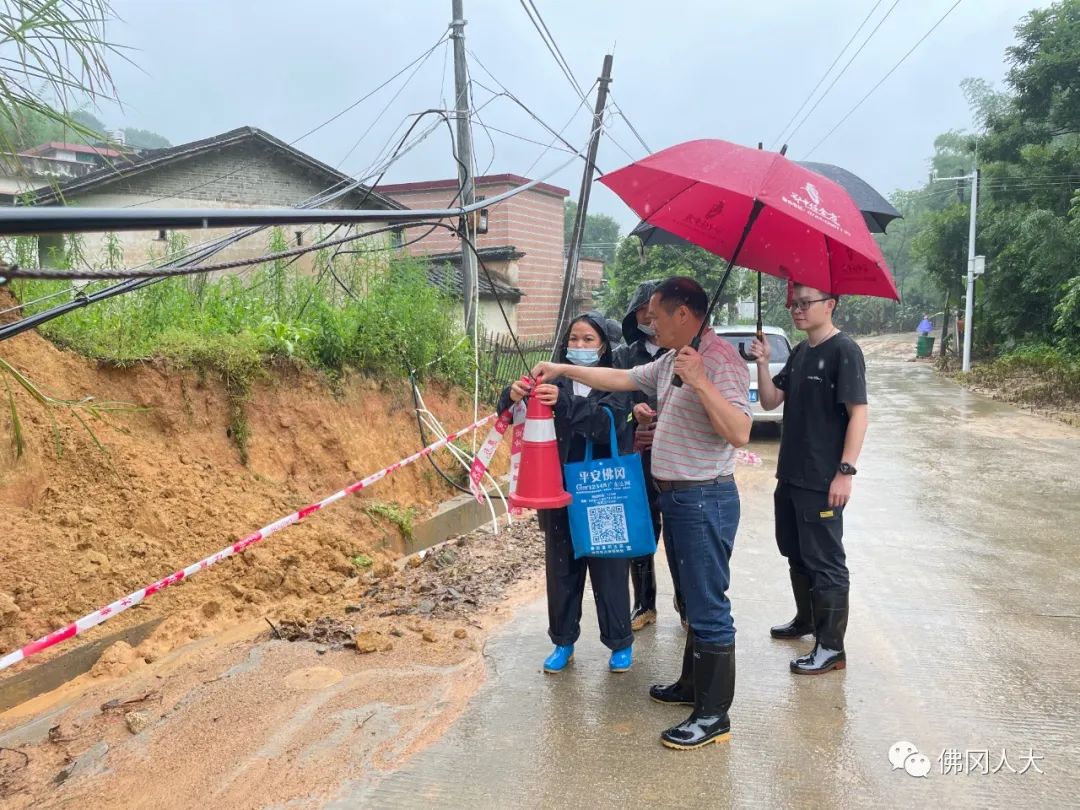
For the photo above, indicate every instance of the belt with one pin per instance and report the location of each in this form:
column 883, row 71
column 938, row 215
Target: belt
column 668, row 486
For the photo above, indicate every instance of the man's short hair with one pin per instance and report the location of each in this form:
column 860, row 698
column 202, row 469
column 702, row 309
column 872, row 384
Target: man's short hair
column 679, row 290
column 824, row 293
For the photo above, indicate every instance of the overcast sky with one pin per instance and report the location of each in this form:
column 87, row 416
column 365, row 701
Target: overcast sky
column 683, row 69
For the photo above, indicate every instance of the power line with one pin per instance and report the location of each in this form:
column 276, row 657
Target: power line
column 633, row 129
column 559, row 135
column 389, row 103
column 510, row 95
column 881, row 81
column 810, row 95
column 552, row 46
column 614, row 140
column 172, row 272
column 422, row 58
column 843, row 70
column 190, row 256
column 558, row 50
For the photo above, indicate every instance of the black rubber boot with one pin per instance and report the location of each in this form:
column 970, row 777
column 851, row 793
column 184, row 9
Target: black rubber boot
column 682, row 691
column 643, row 578
column 714, row 689
column 803, row 623
column 830, row 619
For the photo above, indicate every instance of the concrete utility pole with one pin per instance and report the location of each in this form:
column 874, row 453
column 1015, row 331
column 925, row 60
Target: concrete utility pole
column 465, row 162
column 969, row 305
column 574, row 249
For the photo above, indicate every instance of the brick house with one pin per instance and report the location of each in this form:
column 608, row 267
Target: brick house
column 249, row 168
column 530, row 225
column 51, row 163
column 242, row 168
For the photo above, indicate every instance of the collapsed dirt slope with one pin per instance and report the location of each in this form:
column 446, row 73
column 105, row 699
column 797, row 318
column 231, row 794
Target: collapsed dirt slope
column 81, row 529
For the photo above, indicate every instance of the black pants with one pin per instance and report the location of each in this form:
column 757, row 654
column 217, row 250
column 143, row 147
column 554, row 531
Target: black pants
column 810, row 533
column 642, row 570
column 566, row 587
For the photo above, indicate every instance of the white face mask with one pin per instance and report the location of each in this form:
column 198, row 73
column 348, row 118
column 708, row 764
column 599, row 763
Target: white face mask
column 583, row 357
column 647, row 329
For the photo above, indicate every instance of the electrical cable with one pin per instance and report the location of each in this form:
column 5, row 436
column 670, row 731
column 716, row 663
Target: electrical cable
column 881, row 81
column 423, row 436
column 843, row 70
column 387, row 106
column 558, row 136
column 633, row 129
column 810, row 95
column 552, row 47
column 422, row 58
column 173, row 272
column 510, row 95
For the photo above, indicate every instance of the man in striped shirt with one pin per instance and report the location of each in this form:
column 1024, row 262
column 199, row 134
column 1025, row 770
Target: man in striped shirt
column 699, row 426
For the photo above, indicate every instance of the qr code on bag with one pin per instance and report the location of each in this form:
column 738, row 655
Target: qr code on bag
column 607, row 524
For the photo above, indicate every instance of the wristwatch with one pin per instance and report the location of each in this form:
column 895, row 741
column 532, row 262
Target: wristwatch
column 847, row 469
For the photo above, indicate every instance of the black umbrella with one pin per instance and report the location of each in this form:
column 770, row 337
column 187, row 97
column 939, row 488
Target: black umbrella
column 877, row 211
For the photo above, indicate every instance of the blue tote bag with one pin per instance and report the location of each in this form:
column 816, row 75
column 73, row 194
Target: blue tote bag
column 609, row 516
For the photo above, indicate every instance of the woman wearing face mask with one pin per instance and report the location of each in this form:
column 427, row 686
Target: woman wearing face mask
column 580, row 415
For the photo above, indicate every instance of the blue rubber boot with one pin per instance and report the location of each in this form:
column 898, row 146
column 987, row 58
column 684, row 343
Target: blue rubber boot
column 557, row 661
column 621, row 660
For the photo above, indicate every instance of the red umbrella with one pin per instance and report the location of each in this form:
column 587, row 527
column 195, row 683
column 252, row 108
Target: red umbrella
column 758, row 208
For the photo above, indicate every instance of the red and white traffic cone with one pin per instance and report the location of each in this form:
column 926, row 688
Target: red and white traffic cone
column 539, row 484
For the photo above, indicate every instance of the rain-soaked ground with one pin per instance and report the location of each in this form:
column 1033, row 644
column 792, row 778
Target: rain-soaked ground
column 964, row 641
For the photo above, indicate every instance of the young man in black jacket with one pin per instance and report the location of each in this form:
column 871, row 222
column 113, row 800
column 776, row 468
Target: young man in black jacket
column 641, row 348
column 823, row 389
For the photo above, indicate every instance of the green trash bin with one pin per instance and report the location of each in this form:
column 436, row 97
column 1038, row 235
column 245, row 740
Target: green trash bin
column 925, row 346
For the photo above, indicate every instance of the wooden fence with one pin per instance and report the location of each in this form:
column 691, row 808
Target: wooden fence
column 500, row 362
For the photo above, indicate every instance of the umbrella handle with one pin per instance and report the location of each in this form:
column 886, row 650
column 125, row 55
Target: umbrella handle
column 677, row 380
column 758, row 205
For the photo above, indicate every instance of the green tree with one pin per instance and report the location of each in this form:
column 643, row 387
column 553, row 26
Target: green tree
column 144, row 139
column 1028, row 150
column 89, row 120
column 633, row 266
column 1044, row 78
column 601, row 236
column 57, row 55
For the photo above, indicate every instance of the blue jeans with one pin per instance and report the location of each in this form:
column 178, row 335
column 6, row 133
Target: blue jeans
column 699, row 526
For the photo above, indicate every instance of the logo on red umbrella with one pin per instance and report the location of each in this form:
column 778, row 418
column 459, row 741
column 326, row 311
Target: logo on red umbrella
column 811, row 205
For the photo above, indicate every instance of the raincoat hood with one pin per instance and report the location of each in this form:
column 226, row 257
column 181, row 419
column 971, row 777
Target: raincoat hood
column 600, row 324
column 641, row 297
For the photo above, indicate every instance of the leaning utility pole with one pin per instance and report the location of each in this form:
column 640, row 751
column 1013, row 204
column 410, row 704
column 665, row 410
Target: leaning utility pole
column 574, row 248
column 465, row 163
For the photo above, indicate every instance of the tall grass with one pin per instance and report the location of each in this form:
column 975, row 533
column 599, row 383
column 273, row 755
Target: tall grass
column 380, row 317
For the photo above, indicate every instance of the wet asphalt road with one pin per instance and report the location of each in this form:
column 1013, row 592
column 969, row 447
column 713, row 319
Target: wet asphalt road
column 963, row 540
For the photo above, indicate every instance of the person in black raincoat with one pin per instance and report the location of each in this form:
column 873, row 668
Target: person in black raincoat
column 580, row 415
column 641, row 349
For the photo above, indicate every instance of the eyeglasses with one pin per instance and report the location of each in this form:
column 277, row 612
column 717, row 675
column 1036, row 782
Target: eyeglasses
column 802, row 306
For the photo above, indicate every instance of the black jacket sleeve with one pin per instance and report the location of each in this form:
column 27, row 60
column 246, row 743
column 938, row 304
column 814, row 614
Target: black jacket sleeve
column 504, row 400
column 587, row 418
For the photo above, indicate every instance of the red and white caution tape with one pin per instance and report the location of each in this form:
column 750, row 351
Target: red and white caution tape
column 120, row 605
column 517, row 444
column 482, row 459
